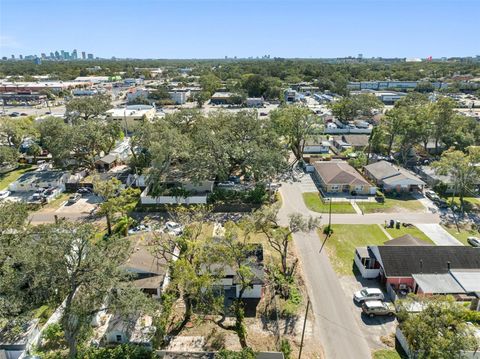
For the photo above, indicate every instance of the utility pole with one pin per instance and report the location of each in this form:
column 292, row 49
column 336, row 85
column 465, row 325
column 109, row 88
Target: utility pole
column 303, row 330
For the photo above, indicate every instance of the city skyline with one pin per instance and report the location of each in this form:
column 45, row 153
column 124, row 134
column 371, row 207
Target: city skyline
column 308, row 29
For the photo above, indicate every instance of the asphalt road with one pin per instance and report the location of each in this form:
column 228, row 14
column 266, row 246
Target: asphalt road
column 335, row 325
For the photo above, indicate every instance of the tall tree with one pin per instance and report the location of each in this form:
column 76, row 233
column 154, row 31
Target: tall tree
column 463, row 169
column 86, row 108
column 439, row 330
column 294, row 124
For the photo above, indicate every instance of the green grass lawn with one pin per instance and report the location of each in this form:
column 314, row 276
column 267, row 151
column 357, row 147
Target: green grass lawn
column 341, row 245
column 386, row 354
column 9, row 177
column 463, row 234
column 392, row 205
column 314, row 203
column 414, row 231
column 471, row 203
column 57, row 201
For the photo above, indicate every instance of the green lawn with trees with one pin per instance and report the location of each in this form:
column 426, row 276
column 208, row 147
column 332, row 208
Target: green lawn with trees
column 345, row 238
column 314, row 202
column 463, row 234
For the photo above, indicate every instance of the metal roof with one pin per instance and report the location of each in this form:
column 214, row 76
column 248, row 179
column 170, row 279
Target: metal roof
column 438, row 283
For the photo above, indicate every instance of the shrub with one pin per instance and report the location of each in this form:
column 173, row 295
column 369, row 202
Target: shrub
column 285, row 348
column 472, row 316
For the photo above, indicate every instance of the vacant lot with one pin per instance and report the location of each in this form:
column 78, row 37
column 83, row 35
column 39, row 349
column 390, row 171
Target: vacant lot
column 413, row 231
column 314, row 203
column 392, row 205
column 341, row 245
column 9, row 177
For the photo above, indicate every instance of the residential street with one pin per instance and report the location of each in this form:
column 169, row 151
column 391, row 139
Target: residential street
column 335, row 325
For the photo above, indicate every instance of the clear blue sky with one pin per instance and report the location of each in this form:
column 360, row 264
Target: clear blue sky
column 215, row 28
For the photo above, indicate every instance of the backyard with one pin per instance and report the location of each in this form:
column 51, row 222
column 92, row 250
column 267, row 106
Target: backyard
column 314, row 203
column 413, row 231
column 9, row 177
column 391, row 205
column 345, row 238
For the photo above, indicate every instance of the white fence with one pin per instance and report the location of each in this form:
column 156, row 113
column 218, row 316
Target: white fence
column 344, row 131
column 146, row 199
column 366, row 273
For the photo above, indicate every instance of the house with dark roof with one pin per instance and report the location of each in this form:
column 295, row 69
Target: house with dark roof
column 149, row 273
column 390, row 178
column 356, row 142
column 339, row 176
column 398, row 265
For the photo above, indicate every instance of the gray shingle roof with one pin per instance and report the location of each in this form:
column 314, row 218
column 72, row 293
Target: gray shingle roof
column 339, row 173
column 403, row 261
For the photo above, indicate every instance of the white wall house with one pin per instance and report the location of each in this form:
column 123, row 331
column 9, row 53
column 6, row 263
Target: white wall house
column 31, row 181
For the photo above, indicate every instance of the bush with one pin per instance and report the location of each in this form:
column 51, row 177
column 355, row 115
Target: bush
column 257, row 195
column 285, row 348
column 472, row 316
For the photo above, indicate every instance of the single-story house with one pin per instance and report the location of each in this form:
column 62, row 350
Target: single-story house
column 392, row 178
column 340, row 144
column 230, row 284
column 31, row 181
column 396, row 265
column 316, row 146
column 339, row 176
column 222, row 98
column 254, row 101
column 149, row 273
column 433, row 179
column 356, row 142
column 106, row 163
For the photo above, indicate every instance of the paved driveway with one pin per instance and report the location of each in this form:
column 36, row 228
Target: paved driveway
column 439, row 235
column 335, row 325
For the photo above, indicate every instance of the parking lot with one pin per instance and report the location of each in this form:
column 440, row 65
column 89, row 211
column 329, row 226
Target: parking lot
column 373, row 328
column 84, row 205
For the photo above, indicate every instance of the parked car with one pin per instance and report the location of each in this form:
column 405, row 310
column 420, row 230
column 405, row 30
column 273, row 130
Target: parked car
column 373, row 308
column 226, row 184
column 140, row 228
column 173, row 228
column 14, row 114
column 366, row 294
column 84, row 190
column 474, row 241
column 74, row 198
column 37, row 198
column 431, row 195
column 4, row 194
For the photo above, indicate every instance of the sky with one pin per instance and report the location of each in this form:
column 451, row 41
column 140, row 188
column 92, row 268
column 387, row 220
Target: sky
column 242, row 28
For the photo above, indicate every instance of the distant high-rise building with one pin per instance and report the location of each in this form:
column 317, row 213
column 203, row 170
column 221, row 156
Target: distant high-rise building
column 52, row 55
column 74, row 54
column 37, row 61
column 21, row 57
column 67, row 55
column 13, row 57
column 43, row 56
column 360, row 56
column 4, row 58
column 90, row 56
column 57, row 55
column 83, row 55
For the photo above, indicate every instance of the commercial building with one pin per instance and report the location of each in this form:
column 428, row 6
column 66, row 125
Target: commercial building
column 131, row 112
column 179, row 96
column 255, row 102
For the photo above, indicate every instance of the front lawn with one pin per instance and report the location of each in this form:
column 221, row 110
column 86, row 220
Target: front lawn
column 386, row 354
column 471, row 203
column 463, row 234
column 341, row 245
column 392, row 205
column 314, row 203
column 12, row 176
column 413, row 231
